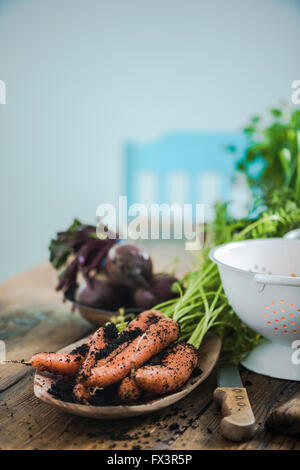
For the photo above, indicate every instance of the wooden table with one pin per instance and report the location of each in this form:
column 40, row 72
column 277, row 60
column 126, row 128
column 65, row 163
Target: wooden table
column 33, row 318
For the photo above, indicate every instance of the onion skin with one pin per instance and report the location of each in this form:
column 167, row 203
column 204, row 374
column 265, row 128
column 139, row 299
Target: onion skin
column 144, row 299
column 99, row 294
column 161, row 287
column 160, row 291
column 129, row 265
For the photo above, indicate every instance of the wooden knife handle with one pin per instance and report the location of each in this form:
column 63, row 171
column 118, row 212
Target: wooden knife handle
column 238, row 422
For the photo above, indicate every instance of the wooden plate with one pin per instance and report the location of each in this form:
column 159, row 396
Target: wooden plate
column 208, row 355
column 96, row 316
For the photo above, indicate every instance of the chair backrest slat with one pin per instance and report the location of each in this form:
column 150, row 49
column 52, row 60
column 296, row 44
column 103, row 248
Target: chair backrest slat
column 183, row 168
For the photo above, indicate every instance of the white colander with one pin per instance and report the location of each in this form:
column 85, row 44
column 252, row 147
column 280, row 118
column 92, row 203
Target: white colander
column 261, row 279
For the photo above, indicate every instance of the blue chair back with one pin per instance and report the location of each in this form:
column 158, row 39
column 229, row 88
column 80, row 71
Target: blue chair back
column 183, row 168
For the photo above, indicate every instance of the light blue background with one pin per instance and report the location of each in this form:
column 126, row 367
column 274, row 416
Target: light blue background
column 83, row 77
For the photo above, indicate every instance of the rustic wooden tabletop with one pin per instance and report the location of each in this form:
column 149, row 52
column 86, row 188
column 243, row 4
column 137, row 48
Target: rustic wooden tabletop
column 33, row 318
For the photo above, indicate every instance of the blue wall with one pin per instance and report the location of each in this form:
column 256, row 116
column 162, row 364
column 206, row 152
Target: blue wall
column 83, row 77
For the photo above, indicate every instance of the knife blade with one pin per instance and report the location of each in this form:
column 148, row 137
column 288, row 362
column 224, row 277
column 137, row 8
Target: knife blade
column 238, row 422
column 229, row 376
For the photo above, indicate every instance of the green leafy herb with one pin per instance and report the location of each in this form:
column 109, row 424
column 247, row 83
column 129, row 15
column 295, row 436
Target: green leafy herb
column 202, row 304
column 272, row 159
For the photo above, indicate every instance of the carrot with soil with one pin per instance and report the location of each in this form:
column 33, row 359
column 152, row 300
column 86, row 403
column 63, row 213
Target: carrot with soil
column 173, row 370
column 106, row 350
column 56, row 363
column 156, row 338
column 129, row 391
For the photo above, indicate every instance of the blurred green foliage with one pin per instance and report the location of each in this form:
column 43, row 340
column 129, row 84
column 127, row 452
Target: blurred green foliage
column 272, row 159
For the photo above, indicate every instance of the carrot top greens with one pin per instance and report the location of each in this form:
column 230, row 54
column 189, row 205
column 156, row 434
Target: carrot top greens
column 202, row 304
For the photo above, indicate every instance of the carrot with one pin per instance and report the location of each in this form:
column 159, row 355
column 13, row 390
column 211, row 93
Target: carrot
column 156, row 338
column 96, row 342
column 142, row 321
column 57, row 363
column 60, row 363
column 177, row 365
column 82, row 393
column 70, row 364
column 128, row 390
column 145, row 319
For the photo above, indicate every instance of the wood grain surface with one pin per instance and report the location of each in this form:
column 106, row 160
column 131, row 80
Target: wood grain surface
column 33, row 318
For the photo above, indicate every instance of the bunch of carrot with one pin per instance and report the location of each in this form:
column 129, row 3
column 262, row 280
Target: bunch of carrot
column 143, row 358
column 197, row 308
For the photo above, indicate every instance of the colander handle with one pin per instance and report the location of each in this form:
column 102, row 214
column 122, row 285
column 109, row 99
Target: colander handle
column 292, row 235
column 271, row 280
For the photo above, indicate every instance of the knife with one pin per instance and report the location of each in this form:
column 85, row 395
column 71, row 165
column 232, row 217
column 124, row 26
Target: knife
column 238, row 422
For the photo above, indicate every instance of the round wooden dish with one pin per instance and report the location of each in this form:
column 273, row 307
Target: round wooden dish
column 96, row 316
column 208, row 354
